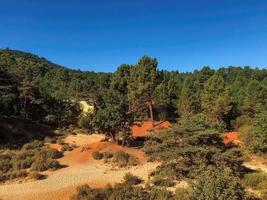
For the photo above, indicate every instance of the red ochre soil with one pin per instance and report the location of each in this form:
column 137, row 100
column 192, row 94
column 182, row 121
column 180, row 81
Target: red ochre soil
column 141, row 129
column 83, row 154
column 231, row 139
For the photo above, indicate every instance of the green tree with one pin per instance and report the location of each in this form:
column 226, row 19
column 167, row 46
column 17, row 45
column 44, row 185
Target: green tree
column 8, row 93
column 120, row 78
column 255, row 97
column 142, row 83
column 215, row 99
column 188, row 102
column 111, row 117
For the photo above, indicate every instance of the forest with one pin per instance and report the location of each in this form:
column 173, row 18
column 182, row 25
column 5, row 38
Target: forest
column 200, row 105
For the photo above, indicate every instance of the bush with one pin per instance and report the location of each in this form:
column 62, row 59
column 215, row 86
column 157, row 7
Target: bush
column 36, row 175
column 255, row 180
column 18, row 174
column 50, row 140
column 39, row 165
column 35, row 144
column 121, row 158
column 217, row 183
column 53, row 164
column 97, row 155
column 107, row 155
column 66, row 147
column 131, row 179
column 161, row 194
column 43, row 165
column 60, row 141
column 162, row 182
column 182, row 194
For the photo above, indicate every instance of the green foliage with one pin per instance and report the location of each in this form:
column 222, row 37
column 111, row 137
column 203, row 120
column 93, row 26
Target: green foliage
column 33, row 155
column 162, row 182
column 215, row 99
column 36, row 175
column 187, row 149
column 111, row 116
column 256, row 180
column 141, row 86
column 182, row 194
column 217, row 184
column 131, row 179
column 97, row 155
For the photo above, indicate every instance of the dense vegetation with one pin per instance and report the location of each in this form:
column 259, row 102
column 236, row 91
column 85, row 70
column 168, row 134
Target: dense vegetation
column 34, row 157
column 36, row 89
column 203, row 104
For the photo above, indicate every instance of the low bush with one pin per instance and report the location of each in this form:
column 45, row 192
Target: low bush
column 60, row 141
column 255, row 180
column 43, row 165
column 33, row 145
column 97, row 155
column 131, row 179
column 107, row 155
column 162, row 182
column 182, row 194
column 161, row 194
column 36, row 175
column 50, row 140
column 67, row 147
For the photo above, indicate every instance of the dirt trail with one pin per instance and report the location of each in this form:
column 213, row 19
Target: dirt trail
column 257, row 163
column 63, row 182
column 82, row 169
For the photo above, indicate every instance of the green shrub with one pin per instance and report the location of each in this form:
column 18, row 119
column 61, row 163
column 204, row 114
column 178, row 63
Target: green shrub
column 39, row 165
column 36, row 175
column 132, row 161
column 131, row 179
column 161, row 194
column 121, row 158
column 217, row 183
column 43, row 165
column 67, row 147
column 182, row 194
column 60, row 141
column 47, row 153
column 162, row 182
column 18, row 174
column 50, row 140
column 255, row 180
column 35, row 144
column 53, row 164
column 97, row 155
column 107, row 155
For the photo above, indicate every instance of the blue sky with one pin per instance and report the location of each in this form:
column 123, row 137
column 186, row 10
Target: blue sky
column 102, row 34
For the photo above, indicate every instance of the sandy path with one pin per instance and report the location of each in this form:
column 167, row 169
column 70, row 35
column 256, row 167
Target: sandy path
column 257, row 163
column 53, row 187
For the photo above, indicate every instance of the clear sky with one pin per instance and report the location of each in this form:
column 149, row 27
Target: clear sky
column 102, row 34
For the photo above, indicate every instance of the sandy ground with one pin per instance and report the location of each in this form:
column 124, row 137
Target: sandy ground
column 82, row 169
column 257, row 163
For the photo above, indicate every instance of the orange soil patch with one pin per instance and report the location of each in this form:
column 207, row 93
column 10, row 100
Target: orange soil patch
column 141, row 129
column 231, row 139
column 83, row 154
column 54, row 146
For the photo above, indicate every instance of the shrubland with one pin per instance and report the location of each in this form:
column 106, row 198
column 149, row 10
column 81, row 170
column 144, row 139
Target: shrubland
column 120, row 158
column 33, row 156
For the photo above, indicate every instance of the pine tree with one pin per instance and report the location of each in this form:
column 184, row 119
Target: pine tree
column 142, row 84
column 188, row 102
column 215, row 99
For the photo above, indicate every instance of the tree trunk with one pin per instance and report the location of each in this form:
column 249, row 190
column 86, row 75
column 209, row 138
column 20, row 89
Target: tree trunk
column 151, row 113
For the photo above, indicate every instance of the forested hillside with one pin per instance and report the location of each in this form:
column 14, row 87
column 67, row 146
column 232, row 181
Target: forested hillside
column 36, row 89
